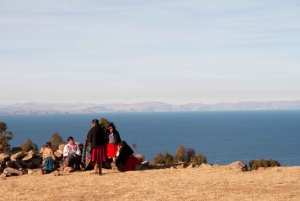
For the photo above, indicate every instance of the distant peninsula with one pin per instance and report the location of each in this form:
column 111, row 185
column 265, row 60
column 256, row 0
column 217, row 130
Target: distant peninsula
column 89, row 108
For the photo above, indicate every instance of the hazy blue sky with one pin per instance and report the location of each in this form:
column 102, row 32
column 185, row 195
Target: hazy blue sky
column 134, row 51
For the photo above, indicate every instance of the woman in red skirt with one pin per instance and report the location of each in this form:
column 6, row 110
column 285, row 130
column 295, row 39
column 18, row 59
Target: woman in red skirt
column 112, row 140
column 126, row 160
column 96, row 139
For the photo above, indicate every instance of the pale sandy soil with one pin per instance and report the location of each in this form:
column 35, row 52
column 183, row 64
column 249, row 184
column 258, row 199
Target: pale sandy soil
column 208, row 183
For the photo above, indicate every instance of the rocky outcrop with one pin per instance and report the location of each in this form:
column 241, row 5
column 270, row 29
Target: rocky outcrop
column 140, row 157
column 238, row 165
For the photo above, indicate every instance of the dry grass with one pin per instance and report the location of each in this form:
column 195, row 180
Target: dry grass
column 207, row 183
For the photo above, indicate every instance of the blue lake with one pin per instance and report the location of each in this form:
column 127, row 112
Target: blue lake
column 223, row 136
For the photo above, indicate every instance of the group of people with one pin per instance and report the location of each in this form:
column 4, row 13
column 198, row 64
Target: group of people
column 99, row 147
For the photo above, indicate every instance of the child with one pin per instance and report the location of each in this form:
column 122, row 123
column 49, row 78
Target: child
column 48, row 157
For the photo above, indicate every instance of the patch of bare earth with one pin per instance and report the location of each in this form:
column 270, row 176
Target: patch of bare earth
column 203, row 183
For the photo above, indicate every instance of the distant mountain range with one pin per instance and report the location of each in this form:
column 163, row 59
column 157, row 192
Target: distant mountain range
column 88, row 108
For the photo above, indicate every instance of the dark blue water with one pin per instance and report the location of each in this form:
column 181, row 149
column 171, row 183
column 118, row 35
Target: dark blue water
column 223, row 137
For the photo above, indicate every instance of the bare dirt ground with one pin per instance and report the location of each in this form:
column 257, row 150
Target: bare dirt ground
column 204, row 183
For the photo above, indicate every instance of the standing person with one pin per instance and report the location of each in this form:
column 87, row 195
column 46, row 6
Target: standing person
column 71, row 155
column 96, row 139
column 48, row 157
column 112, row 140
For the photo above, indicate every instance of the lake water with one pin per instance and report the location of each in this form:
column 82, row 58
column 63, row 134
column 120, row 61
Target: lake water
column 223, row 137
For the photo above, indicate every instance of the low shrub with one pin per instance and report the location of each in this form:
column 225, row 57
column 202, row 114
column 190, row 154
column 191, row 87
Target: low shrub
column 255, row 164
column 201, row 159
column 15, row 150
column 168, row 158
column 159, row 159
column 180, row 155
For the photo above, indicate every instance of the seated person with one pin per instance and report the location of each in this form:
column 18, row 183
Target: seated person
column 71, row 155
column 125, row 160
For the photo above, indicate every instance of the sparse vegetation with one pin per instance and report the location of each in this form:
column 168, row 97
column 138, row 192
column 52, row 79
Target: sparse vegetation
column 28, row 145
column 182, row 155
column 158, row 160
column 104, row 123
column 168, row 158
column 5, row 136
column 255, row 164
column 191, row 155
column 16, row 150
column 201, row 159
column 56, row 140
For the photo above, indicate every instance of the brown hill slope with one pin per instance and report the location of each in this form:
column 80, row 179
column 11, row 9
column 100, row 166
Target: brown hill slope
column 208, row 183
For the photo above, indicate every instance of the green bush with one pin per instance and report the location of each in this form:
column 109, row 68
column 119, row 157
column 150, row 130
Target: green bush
column 15, row 150
column 191, row 155
column 159, row 159
column 5, row 136
column 180, row 155
column 201, row 159
column 28, row 145
column 273, row 163
column 56, row 140
column 104, row 123
column 168, row 158
column 255, row 164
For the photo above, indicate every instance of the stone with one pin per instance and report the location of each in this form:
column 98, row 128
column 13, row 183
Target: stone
column 37, row 171
column 205, row 166
column 145, row 163
column 36, row 161
column 61, row 147
column 3, row 176
column 140, row 157
column 68, row 169
column 138, row 167
column 17, row 156
column 41, row 150
column 12, row 171
column 28, row 156
column 238, row 165
column 10, row 164
column 180, row 166
column 21, row 162
column 58, row 153
column 4, row 157
column 17, row 165
column 39, row 166
column 55, row 173
column 191, row 165
column 29, row 165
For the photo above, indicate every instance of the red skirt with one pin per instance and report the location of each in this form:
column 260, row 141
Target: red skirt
column 130, row 163
column 98, row 154
column 111, row 150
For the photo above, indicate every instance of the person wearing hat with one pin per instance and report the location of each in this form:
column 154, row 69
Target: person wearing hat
column 96, row 140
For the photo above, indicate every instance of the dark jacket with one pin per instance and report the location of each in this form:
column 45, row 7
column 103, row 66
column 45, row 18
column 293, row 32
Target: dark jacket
column 124, row 154
column 96, row 136
column 117, row 137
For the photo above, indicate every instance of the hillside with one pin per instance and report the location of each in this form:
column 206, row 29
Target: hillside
column 203, row 183
column 89, row 108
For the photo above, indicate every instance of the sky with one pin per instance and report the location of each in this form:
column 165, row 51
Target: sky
column 176, row 52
